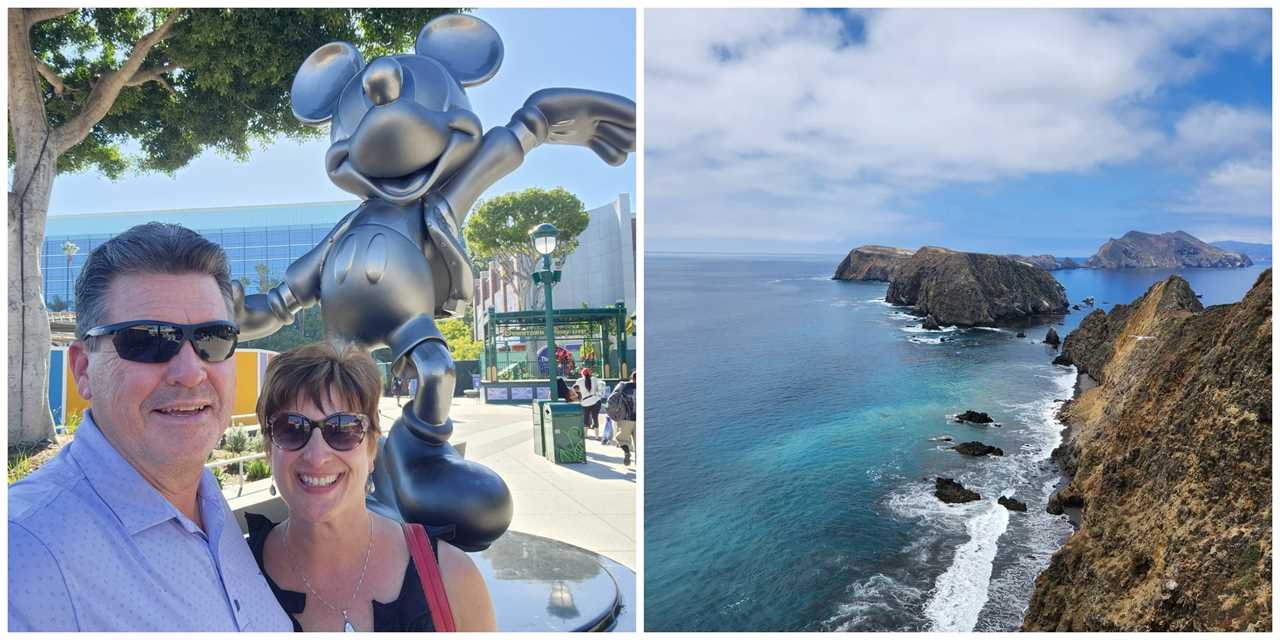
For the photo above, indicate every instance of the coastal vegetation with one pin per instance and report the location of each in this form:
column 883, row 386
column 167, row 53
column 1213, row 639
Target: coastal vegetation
column 1169, row 454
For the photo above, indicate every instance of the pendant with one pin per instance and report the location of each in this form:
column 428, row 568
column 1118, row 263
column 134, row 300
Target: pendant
column 346, row 623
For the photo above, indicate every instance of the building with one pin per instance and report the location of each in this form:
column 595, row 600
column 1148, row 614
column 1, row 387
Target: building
column 599, row 273
column 272, row 235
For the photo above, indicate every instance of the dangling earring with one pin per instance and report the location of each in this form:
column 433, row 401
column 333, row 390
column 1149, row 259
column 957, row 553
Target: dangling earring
column 368, row 486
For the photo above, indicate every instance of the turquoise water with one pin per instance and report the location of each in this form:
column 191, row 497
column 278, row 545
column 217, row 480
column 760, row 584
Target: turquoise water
column 790, row 456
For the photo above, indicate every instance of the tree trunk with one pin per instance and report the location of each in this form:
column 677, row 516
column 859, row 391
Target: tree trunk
column 34, row 168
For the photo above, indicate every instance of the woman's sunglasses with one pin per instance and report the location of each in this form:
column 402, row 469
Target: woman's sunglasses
column 342, row 431
column 154, row 341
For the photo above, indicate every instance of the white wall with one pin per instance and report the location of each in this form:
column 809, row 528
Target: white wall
column 602, row 269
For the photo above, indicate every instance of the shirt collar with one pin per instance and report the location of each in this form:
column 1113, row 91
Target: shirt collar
column 132, row 499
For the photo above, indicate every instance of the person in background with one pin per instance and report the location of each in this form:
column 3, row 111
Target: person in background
column 126, row 530
column 590, row 393
column 564, row 391
column 622, row 408
column 333, row 565
column 397, row 388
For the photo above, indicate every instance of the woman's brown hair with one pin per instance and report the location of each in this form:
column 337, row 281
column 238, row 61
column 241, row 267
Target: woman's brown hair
column 314, row 372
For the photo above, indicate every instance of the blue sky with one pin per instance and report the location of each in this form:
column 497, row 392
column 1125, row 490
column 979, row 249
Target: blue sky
column 590, row 49
column 1008, row 131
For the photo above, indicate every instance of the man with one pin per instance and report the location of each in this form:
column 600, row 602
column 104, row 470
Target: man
column 125, row 529
column 622, row 402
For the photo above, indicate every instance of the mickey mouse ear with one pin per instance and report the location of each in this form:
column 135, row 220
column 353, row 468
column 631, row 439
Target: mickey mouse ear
column 320, row 81
column 466, row 45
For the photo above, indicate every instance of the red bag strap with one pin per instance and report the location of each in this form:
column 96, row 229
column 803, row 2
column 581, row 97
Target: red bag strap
column 429, row 572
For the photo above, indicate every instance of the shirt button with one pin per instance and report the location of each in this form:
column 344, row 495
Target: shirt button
column 237, row 605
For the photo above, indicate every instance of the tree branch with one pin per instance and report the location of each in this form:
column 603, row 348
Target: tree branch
column 154, row 74
column 105, row 92
column 40, row 15
column 52, row 77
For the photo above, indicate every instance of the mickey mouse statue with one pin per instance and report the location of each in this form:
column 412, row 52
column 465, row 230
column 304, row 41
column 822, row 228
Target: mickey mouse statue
column 404, row 138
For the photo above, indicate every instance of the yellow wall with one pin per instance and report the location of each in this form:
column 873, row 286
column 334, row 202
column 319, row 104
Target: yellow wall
column 247, row 385
column 74, row 403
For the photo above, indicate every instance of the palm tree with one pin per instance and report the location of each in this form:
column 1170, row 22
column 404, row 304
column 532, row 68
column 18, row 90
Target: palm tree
column 70, row 249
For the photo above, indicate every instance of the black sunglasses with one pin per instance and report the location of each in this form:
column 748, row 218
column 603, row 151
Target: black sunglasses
column 154, row 341
column 343, row 431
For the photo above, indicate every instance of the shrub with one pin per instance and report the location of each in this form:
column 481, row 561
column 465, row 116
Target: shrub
column 236, row 440
column 257, row 470
column 219, row 474
column 73, row 422
column 19, row 465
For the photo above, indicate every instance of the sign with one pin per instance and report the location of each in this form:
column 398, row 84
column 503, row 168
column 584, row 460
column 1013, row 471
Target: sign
column 544, row 393
column 495, row 393
column 521, row 393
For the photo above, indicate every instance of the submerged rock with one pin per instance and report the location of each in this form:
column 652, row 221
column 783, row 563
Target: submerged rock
column 976, row 417
column 974, row 289
column 1022, row 334
column 952, row 492
column 976, row 448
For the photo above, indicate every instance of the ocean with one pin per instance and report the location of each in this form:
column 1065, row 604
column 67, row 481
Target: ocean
column 792, row 436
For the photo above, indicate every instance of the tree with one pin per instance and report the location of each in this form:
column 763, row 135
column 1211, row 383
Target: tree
column 174, row 81
column 461, row 345
column 499, row 229
column 265, row 281
column 70, row 249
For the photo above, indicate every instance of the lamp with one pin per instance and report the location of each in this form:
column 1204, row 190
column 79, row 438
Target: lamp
column 544, row 238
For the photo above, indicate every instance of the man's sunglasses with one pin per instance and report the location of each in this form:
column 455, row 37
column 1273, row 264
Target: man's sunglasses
column 154, row 341
column 343, row 431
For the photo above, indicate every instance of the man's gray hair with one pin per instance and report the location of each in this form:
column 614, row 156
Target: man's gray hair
column 154, row 247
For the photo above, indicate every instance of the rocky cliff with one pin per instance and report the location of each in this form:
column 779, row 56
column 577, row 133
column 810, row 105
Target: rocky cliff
column 1170, row 460
column 974, row 289
column 1046, row 262
column 871, row 262
column 1177, row 249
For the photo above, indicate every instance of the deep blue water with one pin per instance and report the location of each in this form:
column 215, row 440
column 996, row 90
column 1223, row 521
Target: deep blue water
column 790, row 466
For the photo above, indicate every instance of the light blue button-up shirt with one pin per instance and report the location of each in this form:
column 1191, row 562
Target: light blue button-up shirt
column 94, row 547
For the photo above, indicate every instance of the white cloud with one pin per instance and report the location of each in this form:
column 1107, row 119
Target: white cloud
column 1238, row 187
column 795, row 120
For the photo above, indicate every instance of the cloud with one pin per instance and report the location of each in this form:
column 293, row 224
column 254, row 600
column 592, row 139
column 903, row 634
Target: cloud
column 764, row 122
column 1238, row 187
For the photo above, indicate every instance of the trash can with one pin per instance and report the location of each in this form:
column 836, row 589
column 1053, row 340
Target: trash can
column 563, row 437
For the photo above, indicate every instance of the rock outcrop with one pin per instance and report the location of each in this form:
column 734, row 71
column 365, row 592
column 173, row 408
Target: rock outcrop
column 974, row 289
column 1051, row 338
column 978, row 449
column 1011, row 504
column 952, row 492
column 1170, row 459
column 1177, row 249
column 871, row 262
column 976, row 417
column 1046, row 262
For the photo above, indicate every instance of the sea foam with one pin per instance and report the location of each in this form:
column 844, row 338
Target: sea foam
column 961, row 591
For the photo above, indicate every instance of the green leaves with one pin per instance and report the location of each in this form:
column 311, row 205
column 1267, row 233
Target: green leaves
column 500, row 226
column 234, row 69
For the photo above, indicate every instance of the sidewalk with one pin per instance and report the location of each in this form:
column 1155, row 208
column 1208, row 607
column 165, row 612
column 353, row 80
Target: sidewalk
column 590, row 505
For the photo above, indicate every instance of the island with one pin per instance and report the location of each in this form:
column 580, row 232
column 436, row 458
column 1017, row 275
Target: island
column 1169, row 250
column 974, row 289
column 871, row 262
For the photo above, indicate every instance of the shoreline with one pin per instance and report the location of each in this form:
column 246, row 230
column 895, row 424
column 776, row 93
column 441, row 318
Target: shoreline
column 1065, row 450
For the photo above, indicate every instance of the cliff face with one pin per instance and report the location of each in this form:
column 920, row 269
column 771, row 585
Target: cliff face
column 1178, row 249
column 1171, row 459
column 872, row 262
column 1046, row 262
column 974, row 289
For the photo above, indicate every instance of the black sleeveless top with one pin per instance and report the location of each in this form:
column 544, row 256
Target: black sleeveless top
column 408, row 612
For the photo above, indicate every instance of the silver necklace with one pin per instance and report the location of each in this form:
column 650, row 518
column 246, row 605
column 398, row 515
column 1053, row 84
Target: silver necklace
column 346, row 620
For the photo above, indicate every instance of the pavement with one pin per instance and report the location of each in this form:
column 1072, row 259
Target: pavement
column 591, row 505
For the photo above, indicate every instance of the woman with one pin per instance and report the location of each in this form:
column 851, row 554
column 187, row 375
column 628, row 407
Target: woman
column 590, row 393
column 333, row 564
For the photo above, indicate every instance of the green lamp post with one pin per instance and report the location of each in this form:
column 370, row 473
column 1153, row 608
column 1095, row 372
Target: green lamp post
column 544, row 242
